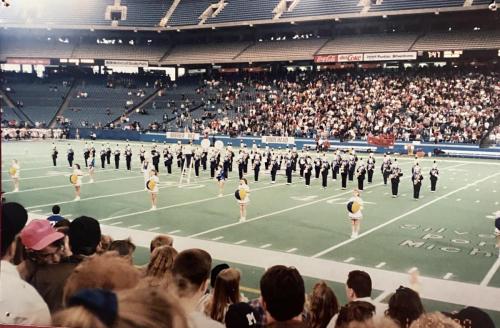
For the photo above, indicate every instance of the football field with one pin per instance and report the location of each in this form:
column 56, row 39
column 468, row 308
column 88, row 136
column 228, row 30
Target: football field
column 447, row 235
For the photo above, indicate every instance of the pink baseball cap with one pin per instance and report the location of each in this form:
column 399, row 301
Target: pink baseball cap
column 39, row 234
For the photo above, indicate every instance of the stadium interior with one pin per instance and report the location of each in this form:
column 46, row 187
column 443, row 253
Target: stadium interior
column 416, row 81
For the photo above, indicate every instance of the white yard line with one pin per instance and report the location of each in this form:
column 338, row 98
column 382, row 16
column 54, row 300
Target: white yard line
column 291, row 250
column 447, row 291
column 397, row 218
column 154, row 229
column 37, row 168
column 383, row 295
column 186, row 203
column 486, row 280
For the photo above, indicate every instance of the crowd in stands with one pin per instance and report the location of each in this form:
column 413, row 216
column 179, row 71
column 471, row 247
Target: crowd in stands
column 69, row 274
column 430, row 105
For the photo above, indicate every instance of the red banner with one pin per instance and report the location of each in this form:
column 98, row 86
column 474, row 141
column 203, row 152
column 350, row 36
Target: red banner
column 383, row 140
column 325, row 58
column 28, row 61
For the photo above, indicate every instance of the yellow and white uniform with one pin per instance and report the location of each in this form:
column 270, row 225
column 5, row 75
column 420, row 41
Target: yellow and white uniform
column 16, row 169
column 246, row 199
column 79, row 175
column 156, row 181
column 358, row 215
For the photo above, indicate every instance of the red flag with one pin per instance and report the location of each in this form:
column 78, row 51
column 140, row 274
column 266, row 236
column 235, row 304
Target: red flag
column 383, row 140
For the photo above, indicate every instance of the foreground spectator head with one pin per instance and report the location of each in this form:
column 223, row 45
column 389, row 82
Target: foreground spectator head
column 161, row 263
column 191, row 271
column 405, row 306
column 104, row 244
column 434, row 319
column 241, row 315
column 323, row 305
column 359, row 285
column 14, row 218
column 283, row 293
column 356, row 311
column 44, row 245
column 84, row 235
column 107, row 271
column 226, row 292
column 472, row 317
column 142, row 306
column 215, row 272
column 62, row 226
column 161, row 240
column 125, row 248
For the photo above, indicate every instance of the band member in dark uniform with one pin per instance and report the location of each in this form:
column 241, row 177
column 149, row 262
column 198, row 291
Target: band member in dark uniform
column 128, row 157
column 434, row 176
column 103, row 156
column 71, row 156
column 213, row 164
column 92, row 150
column 360, row 175
column 386, row 169
column 274, row 170
column 417, row 178
column 395, row 176
column 317, row 167
column 245, row 162
column 108, row 154
column 295, row 158
column 86, row 154
column 370, row 167
column 302, row 165
column 344, row 171
column 180, row 157
column 308, row 171
column 336, row 165
column 256, row 168
column 197, row 163
column 142, row 154
column 325, row 170
column 352, row 166
column 54, row 154
column 288, row 171
column 168, row 159
column 155, row 158
column 268, row 160
column 117, row 154
column 204, row 159
column 231, row 158
column 241, row 166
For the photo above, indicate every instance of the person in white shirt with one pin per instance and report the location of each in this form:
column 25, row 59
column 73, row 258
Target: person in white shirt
column 14, row 172
column 244, row 189
column 152, row 186
column 20, row 303
column 355, row 207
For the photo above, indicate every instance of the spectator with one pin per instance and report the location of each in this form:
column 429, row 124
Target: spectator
column 323, row 305
column 405, row 306
column 142, row 306
column 241, row 315
column 434, row 319
column 355, row 311
column 124, row 248
column 359, row 288
column 104, row 244
column 283, row 296
column 161, row 240
column 161, row 263
column 55, row 217
column 190, row 275
column 20, row 303
column 107, row 271
column 226, row 292
column 472, row 317
column 62, row 226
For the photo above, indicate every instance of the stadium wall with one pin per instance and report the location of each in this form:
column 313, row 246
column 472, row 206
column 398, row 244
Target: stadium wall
column 449, row 149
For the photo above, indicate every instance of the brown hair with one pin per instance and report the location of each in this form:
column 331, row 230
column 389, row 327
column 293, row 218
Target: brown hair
column 434, row 319
column 143, row 306
column 323, row 305
column 107, row 271
column 161, row 263
column 124, row 247
column 161, row 240
column 226, row 292
column 103, row 246
column 191, row 269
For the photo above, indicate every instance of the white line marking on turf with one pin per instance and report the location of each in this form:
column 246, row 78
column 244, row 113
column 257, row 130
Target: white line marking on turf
column 240, row 242
column 459, row 199
column 68, row 215
column 36, row 211
column 266, row 246
column 291, row 250
column 397, row 218
column 217, row 238
column 35, row 168
column 477, row 201
column 412, row 270
column 174, row 231
column 349, row 260
column 116, row 223
column 134, row 226
column 186, row 203
column 448, row 276
column 154, row 229
column 486, row 280
column 381, row 264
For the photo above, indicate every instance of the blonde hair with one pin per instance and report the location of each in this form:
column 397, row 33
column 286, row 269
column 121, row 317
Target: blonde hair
column 107, row 271
column 161, row 263
column 226, row 292
column 322, row 305
column 435, row 320
column 78, row 317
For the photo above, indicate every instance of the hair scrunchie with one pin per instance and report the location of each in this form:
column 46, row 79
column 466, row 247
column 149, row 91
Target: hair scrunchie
column 102, row 303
